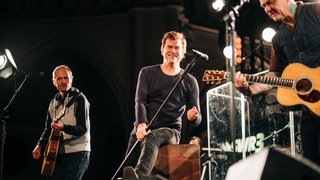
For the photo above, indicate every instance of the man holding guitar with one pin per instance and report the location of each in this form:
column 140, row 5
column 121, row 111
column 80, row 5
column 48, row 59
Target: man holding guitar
column 65, row 141
column 297, row 41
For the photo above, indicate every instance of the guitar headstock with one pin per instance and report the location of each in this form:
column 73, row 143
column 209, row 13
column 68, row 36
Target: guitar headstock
column 213, row 76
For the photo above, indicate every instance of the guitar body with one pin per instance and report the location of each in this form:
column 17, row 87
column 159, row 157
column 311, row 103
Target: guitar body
column 51, row 151
column 308, row 95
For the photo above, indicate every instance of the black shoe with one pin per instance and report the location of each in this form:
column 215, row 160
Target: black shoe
column 129, row 173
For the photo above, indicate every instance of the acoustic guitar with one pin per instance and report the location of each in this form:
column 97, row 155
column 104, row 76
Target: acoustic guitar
column 298, row 85
column 51, row 151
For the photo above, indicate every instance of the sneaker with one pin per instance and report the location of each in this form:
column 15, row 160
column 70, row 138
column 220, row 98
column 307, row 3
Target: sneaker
column 129, row 173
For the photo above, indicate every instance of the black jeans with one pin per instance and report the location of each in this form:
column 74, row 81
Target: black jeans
column 310, row 137
column 145, row 153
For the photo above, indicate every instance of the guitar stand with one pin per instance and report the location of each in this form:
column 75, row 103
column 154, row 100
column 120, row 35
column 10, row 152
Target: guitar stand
column 274, row 135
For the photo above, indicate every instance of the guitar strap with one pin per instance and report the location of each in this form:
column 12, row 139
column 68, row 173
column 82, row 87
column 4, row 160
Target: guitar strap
column 74, row 98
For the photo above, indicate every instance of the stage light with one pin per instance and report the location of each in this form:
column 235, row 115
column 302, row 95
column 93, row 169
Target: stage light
column 227, row 52
column 218, row 5
column 268, row 33
column 7, row 64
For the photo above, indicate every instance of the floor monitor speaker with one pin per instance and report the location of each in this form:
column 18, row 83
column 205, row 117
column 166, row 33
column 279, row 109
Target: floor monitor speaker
column 273, row 164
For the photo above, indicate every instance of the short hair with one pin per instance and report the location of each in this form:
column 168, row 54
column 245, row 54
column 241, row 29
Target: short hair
column 59, row 67
column 174, row 35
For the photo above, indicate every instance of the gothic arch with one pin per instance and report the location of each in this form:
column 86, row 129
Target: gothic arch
column 97, row 81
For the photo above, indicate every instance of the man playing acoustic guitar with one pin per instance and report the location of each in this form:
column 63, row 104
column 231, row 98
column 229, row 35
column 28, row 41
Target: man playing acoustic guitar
column 296, row 42
column 65, row 141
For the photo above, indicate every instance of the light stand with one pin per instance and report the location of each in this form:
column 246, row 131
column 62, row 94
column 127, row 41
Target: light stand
column 230, row 19
column 3, row 127
column 3, row 135
column 7, row 65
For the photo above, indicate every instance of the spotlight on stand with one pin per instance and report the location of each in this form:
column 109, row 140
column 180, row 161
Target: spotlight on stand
column 7, row 64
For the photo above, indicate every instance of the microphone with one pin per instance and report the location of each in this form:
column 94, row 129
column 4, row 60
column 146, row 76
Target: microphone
column 201, row 55
column 242, row 2
column 40, row 74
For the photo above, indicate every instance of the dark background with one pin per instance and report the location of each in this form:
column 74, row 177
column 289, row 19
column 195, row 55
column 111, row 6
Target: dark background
column 105, row 43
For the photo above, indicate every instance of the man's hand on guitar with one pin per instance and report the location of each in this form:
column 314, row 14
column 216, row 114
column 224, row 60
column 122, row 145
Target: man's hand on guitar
column 36, row 153
column 240, row 81
column 57, row 125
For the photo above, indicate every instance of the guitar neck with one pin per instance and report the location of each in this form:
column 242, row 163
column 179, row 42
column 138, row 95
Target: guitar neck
column 274, row 81
column 299, row 82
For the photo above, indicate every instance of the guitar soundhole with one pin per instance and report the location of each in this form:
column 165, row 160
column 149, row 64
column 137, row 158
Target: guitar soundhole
column 303, row 86
column 314, row 96
column 305, row 91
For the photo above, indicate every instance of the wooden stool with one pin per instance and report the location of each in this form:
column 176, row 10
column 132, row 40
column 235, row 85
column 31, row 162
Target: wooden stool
column 178, row 162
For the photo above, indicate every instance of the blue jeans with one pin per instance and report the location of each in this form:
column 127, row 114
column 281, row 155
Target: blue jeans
column 71, row 166
column 146, row 152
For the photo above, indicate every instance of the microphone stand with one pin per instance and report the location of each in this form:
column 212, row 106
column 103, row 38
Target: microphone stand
column 274, row 135
column 3, row 126
column 207, row 164
column 187, row 70
column 230, row 19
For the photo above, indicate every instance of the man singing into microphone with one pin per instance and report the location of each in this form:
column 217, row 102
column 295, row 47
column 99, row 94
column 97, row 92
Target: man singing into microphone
column 154, row 84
